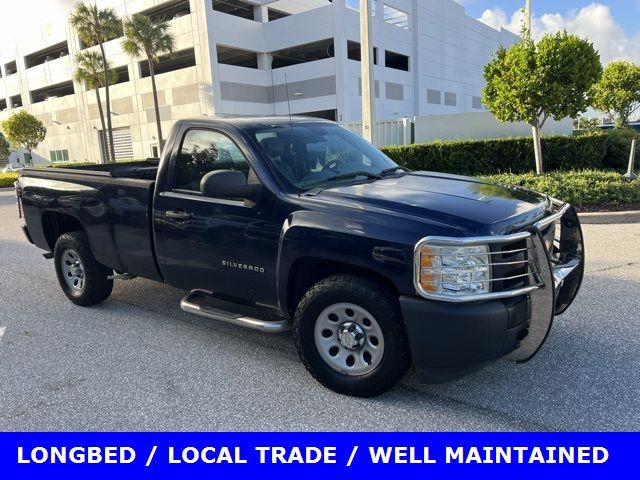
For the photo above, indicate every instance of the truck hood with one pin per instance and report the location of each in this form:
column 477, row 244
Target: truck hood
column 467, row 204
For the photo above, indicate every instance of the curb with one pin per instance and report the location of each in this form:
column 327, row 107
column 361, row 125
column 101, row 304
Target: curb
column 599, row 218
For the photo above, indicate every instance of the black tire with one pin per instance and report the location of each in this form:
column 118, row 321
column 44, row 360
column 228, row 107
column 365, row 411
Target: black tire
column 376, row 300
column 95, row 286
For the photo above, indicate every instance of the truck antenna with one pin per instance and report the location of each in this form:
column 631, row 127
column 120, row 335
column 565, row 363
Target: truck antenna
column 286, row 86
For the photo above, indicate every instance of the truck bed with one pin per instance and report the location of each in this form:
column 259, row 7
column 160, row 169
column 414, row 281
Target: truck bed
column 144, row 169
column 111, row 202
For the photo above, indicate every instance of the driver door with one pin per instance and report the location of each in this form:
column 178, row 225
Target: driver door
column 224, row 246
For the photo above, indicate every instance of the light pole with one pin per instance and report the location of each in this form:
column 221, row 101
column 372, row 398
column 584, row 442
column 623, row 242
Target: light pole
column 366, row 72
column 527, row 16
column 630, row 175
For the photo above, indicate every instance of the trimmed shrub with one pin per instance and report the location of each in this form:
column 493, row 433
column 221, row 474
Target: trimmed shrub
column 515, row 155
column 580, row 188
column 619, row 148
column 7, row 179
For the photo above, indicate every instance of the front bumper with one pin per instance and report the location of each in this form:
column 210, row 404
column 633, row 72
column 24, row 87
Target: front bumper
column 448, row 339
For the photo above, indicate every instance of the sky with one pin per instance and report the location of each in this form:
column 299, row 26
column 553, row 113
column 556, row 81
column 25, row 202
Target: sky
column 612, row 25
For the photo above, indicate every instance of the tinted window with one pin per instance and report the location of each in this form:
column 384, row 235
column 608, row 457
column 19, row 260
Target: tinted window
column 308, row 154
column 203, row 151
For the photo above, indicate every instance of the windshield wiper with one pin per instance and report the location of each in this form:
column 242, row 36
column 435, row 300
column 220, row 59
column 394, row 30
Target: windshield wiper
column 347, row 176
column 343, row 176
column 389, row 171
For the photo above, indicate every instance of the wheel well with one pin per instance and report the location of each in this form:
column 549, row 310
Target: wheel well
column 55, row 224
column 306, row 272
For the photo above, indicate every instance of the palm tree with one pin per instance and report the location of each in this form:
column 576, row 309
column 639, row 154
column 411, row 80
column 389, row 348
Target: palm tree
column 97, row 26
column 143, row 38
column 90, row 72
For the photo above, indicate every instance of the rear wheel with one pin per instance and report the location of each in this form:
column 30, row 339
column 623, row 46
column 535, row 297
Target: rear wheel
column 82, row 278
column 350, row 336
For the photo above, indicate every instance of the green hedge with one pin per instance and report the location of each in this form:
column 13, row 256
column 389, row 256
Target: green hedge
column 580, row 188
column 594, row 150
column 7, row 179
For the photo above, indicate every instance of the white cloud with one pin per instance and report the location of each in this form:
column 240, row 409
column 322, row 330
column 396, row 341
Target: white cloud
column 593, row 22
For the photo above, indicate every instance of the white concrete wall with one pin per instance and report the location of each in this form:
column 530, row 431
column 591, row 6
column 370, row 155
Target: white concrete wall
column 447, row 51
column 479, row 125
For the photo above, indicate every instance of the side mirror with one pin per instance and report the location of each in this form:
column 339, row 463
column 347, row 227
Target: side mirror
column 228, row 184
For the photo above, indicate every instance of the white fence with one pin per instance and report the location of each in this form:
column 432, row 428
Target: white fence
column 479, row 126
column 389, row 132
column 467, row 126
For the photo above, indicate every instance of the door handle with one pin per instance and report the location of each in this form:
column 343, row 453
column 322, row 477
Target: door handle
column 177, row 214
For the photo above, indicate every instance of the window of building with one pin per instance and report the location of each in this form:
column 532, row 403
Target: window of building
column 15, row 101
column 168, row 11
column 396, row 60
column 396, row 17
column 450, row 99
column 477, row 103
column 237, row 8
column 46, row 55
column 51, row 92
column 203, row 151
column 59, row 155
column 434, row 96
column 122, row 75
column 3, row 104
column 237, row 57
column 169, row 63
column 354, row 52
column 154, row 151
column 276, row 14
column 10, row 68
column 303, row 53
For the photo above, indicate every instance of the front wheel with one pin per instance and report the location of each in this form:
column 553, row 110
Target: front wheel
column 82, row 278
column 350, row 336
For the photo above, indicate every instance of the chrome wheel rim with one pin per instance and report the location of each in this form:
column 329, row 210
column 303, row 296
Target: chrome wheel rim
column 72, row 270
column 349, row 339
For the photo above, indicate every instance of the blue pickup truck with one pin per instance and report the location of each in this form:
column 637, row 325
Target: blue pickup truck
column 277, row 223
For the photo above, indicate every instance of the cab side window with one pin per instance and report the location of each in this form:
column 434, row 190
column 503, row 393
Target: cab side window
column 203, row 151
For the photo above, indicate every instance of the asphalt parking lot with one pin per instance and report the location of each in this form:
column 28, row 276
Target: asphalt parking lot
column 137, row 362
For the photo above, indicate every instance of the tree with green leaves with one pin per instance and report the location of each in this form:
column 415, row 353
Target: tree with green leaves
column 534, row 81
column 618, row 91
column 90, row 72
column 23, row 130
column 586, row 123
column 144, row 38
column 5, row 148
column 95, row 26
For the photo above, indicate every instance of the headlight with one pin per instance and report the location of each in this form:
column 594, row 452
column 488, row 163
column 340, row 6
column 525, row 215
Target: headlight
column 453, row 271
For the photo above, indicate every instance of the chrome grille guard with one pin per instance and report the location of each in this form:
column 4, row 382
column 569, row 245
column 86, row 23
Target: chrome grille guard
column 552, row 278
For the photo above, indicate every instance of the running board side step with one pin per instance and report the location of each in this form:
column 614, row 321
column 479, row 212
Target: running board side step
column 196, row 302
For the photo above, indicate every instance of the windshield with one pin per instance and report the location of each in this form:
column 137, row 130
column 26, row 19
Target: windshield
column 315, row 155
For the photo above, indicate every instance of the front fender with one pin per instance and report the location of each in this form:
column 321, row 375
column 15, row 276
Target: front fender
column 367, row 245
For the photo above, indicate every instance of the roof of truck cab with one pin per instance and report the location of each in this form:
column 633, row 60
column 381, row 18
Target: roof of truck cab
column 256, row 122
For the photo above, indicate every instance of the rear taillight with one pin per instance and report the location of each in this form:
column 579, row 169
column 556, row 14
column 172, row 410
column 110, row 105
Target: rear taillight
column 19, row 198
